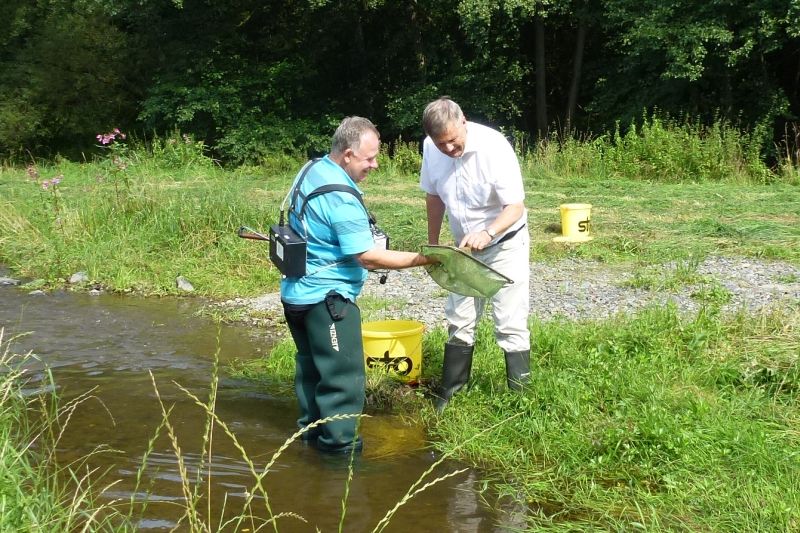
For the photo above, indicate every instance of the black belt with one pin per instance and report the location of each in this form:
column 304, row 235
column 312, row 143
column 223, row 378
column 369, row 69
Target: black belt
column 510, row 234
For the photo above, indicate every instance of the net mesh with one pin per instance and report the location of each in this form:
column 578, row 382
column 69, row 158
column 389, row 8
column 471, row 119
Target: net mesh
column 459, row 272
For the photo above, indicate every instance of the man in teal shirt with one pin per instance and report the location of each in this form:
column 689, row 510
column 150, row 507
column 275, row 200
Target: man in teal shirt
column 320, row 308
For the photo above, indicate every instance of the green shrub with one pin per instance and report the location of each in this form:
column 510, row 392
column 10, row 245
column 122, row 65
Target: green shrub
column 666, row 149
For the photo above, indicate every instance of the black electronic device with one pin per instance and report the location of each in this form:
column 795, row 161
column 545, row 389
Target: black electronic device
column 287, row 250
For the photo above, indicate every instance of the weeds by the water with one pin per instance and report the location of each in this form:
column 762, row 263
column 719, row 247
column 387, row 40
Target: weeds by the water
column 418, row 486
column 194, row 492
column 34, row 498
column 39, row 494
column 659, row 421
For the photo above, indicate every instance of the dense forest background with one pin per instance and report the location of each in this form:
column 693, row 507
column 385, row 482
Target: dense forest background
column 250, row 78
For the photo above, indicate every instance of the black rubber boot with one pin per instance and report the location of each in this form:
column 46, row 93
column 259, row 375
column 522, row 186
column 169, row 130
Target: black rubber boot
column 455, row 372
column 518, row 369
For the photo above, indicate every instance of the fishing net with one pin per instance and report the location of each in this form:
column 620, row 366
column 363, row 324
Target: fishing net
column 463, row 274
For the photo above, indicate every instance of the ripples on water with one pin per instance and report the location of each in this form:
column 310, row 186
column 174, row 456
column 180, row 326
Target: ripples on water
column 108, row 345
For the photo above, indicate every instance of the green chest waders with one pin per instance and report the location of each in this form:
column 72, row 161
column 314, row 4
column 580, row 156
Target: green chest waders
column 329, row 375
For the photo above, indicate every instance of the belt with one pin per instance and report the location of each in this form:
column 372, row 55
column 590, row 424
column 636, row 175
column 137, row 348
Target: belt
column 509, row 235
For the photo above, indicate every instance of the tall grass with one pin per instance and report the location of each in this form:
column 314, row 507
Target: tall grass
column 657, row 421
column 662, row 149
column 256, row 512
column 139, row 234
column 36, row 492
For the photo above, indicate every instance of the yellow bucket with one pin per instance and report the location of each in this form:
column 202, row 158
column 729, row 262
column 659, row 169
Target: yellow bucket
column 394, row 346
column 575, row 223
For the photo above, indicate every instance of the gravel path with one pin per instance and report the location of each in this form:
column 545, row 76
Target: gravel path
column 577, row 289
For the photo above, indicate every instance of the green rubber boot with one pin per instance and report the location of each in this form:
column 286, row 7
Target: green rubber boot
column 455, row 372
column 306, row 378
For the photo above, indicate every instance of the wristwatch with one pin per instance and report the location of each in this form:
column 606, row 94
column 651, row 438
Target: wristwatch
column 492, row 233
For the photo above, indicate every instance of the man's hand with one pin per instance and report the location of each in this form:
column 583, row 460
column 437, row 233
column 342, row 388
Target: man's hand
column 476, row 241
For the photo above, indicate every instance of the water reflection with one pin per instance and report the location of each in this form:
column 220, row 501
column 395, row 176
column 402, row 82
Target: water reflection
column 111, row 345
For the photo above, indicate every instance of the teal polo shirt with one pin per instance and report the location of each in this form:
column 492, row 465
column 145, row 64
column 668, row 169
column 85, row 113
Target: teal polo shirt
column 338, row 229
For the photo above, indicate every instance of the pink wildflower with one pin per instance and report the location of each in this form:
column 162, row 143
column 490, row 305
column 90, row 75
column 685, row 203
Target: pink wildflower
column 46, row 184
column 107, row 138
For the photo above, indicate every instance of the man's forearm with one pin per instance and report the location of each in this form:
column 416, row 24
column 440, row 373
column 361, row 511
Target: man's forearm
column 392, row 259
column 507, row 217
column 435, row 210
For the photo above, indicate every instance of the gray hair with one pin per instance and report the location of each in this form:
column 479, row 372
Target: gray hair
column 349, row 133
column 439, row 115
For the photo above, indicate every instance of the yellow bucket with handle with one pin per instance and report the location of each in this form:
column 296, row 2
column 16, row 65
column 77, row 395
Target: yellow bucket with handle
column 394, row 346
column 576, row 221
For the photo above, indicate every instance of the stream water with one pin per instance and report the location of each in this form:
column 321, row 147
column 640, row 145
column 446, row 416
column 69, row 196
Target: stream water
column 104, row 348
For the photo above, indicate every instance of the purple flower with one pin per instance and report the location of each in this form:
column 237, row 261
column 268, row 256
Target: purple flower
column 107, row 138
column 46, row 184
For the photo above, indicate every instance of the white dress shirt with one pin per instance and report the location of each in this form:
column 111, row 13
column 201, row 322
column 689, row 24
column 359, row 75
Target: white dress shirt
column 475, row 186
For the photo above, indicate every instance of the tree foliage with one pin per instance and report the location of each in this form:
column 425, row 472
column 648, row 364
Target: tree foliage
column 250, row 78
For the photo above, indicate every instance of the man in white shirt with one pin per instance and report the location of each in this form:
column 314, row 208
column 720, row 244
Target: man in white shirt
column 471, row 172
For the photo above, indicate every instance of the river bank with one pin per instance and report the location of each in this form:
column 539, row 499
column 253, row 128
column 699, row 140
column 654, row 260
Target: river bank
column 667, row 388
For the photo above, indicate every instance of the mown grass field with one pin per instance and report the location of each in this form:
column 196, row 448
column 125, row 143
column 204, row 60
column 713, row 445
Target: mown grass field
column 136, row 226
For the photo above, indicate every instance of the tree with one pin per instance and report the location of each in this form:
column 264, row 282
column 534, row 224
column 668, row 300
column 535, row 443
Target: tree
column 64, row 79
column 707, row 58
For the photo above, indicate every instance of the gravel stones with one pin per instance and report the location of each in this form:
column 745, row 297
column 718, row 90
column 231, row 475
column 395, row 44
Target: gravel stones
column 577, row 289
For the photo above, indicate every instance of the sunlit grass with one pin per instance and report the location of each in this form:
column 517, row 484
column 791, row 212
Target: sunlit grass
column 36, row 492
column 655, row 421
column 136, row 223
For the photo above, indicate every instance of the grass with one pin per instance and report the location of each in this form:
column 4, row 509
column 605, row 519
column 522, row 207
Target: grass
column 655, row 421
column 36, row 492
column 659, row 278
column 137, row 220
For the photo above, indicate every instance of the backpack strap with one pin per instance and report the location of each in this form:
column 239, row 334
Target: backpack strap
column 333, row 188
column 319, row 191
column 296, row 191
